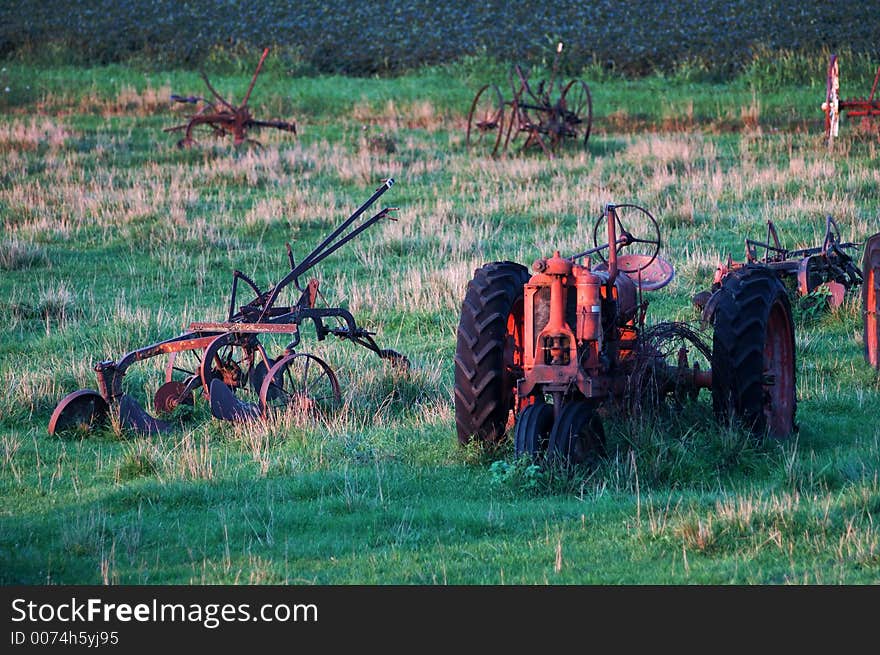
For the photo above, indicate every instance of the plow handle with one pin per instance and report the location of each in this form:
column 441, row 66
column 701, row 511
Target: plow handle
column 247, row 96
column 317, row 254
column 306, row 264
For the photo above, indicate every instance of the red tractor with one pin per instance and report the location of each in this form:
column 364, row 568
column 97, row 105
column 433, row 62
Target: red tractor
column 552, row 352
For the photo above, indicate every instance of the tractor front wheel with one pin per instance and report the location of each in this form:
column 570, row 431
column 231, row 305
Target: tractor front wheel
column 753, row 353
column 532, row 430
column 577, row 436
column 488, row 352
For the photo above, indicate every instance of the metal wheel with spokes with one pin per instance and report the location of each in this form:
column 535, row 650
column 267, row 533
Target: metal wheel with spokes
column 576, row 106
column 227, row 367
column 485, row 122
column 300, row 382
column 228, row 359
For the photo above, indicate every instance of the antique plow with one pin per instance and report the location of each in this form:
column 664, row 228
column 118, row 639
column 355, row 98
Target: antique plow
column 864, row 108
column 222, row 118
column 226, row 361
column 540, row 117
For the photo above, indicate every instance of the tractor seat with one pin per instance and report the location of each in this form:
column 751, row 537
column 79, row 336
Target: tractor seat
column 655, row 275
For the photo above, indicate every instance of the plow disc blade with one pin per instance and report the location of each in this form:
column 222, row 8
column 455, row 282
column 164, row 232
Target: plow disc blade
column 836, row 294
column 225, row 406
column 134, row 417
column 80, row 410
column 171, row 395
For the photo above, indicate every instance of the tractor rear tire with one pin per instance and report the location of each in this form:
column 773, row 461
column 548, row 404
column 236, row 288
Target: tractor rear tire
column 870, row 302
column 488, row 352
column 753, row 353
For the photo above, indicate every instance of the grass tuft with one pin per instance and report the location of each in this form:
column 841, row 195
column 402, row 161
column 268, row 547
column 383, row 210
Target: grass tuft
column 16, row 255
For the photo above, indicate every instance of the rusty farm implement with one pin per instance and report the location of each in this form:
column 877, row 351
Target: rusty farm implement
column 536, row 117
column 866, row 108
column 552, row 351
column 828, row 269
column 226, row 362
column 823, row 273
column 222, row 118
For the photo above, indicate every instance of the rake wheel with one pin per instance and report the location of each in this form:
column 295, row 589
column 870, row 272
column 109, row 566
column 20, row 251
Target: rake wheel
column 485, row 121
column 576, row 106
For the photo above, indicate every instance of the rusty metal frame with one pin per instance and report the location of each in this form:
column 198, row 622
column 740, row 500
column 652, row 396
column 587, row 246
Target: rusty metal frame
column 828, row 266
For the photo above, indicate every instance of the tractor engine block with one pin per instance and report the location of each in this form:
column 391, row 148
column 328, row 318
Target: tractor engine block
column 579, row 323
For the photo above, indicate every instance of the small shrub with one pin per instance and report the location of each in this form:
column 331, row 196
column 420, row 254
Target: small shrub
column 522, row 474
column 813, row 306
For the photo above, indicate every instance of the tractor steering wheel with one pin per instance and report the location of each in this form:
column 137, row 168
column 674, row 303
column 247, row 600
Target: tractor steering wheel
column 832, row 235
column 642, row 223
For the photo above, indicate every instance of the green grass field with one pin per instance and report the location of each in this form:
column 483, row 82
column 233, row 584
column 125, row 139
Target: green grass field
column 113, row 238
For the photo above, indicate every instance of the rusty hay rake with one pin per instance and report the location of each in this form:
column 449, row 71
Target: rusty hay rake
column 536, row 117
column 222, row 118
